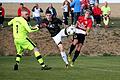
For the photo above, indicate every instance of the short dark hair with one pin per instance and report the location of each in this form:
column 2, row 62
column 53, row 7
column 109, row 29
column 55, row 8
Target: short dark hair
column 87, row 10
column 48, row 12
column 0, row 4
column 21, row 4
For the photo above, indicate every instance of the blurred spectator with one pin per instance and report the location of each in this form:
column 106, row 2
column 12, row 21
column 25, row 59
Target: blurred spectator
column 2, row 14
column 97, row 14
column 97, row 1
column 36, row 13
column 85, row 4
column 52, row 10
column 106, row 11
column 76, row 4
column 71, row 13
column 92, row 2
column 20, row 8
column 66, row 10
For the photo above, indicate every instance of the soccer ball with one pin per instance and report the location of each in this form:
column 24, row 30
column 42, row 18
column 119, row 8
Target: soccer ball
column 71, row 30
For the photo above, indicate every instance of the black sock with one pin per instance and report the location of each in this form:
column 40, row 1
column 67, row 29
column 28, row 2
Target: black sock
column 71, row 49
column 75, row 55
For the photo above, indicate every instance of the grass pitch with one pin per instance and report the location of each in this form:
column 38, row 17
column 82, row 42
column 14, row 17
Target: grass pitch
column 85, row 68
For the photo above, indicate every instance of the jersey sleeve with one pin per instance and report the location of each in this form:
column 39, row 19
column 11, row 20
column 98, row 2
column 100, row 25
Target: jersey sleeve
column 59, row 21
column 29, row 28
column 44, row 21
column 10, row 22
column 89, row 23
column 109, row 9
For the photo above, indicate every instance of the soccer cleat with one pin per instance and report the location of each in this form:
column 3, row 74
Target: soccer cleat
column 45, row 68
column 16, row 66
column 66, row 66
column 72, row 64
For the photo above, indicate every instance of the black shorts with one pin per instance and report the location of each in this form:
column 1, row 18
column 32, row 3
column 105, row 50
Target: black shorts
column 97, row 19
column 80, row 38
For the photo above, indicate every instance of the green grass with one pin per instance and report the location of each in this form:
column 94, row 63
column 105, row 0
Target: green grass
column 86, row 68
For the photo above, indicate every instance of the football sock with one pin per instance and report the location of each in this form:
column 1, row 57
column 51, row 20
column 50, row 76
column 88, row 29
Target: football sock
column 71, row 49
column 75, row 55
column 39, row 58
column 64, row 57
column 18, row 58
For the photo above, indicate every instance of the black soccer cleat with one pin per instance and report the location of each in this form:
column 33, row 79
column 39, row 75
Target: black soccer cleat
column 16, row 66
column 67, row 66
column 46, row 68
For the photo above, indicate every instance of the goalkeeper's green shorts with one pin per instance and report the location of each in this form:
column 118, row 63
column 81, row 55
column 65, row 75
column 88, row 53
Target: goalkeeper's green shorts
column 22, row 44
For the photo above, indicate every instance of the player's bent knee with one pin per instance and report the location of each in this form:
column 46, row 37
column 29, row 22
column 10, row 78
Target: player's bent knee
column 35, row 49
column 61, row 47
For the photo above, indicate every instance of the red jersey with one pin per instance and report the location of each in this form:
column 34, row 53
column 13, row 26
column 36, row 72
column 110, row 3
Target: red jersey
column 97, row 11
column 2, row 11
column 85, row 2
column 83, row 23
column 19, row 11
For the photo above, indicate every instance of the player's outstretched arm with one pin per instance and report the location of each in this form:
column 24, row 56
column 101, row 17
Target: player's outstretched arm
column 29, row 28
column 10, row 22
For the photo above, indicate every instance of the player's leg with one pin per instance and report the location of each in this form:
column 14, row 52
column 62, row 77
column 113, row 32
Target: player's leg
column 19, row 55
column 63, row 54
column 40, row 59
column 81, row 38
column 72, row 47
column 32, row 46
column 57, row 40
column 77, row 51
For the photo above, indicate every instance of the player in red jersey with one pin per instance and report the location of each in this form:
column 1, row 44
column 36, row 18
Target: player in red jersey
column 84, row 23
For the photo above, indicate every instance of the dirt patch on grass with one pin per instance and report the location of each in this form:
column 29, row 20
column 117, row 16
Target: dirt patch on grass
column 106, row 41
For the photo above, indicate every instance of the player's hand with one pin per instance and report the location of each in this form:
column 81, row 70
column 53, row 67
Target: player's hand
column 43, row 25
column 35, row 27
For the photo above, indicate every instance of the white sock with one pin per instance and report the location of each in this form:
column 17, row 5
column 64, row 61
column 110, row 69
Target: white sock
column 64, row 57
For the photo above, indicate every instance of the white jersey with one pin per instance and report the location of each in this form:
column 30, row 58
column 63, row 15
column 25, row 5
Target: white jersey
column 36, row 12
column 65, row 8
column 92, row 1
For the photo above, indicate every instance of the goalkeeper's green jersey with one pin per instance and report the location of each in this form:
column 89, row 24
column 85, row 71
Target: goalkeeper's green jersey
column 20, row 28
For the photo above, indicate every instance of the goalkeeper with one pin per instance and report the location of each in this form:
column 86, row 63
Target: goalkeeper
column 21, row 28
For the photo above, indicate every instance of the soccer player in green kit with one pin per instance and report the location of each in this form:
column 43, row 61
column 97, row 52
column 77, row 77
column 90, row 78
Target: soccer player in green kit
column 21, row 28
